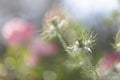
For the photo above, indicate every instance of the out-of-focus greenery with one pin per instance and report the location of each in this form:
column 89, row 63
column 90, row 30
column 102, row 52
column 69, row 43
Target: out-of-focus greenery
column 76, row 56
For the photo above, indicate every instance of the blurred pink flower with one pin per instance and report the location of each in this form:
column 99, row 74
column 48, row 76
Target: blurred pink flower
column 17, row 31
column 40, row 49
column 108, row 62
column 43, row 48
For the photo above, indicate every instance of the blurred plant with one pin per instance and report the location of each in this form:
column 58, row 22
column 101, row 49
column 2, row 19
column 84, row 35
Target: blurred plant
column 108, row 66
column 116, row 45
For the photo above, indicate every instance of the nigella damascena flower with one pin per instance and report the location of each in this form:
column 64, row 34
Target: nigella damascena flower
column 77, row 47
column 17, row 31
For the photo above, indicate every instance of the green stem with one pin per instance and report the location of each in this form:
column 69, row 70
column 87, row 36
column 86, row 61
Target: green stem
column 62, row 40
column 98, row 78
